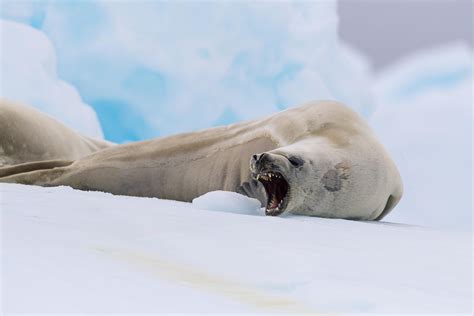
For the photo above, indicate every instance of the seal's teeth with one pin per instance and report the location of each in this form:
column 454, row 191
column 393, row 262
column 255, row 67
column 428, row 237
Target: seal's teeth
column 258, row 177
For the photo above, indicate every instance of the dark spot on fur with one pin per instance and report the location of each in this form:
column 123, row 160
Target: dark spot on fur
column 296, row 161
column 332, row 181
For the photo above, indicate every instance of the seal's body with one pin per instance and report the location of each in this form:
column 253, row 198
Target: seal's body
column 27, row 135
column 319, row 159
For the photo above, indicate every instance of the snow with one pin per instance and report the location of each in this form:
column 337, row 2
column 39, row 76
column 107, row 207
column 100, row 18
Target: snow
column 424, row 118
column 225, row 201
column 68, row 251
column 159, row 68
column 28, row 75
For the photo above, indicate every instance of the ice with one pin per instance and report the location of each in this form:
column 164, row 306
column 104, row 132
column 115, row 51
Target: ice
column 28, row 75
column 424, row 118
column 159, row 68
column 231, row 202
column 67, row 251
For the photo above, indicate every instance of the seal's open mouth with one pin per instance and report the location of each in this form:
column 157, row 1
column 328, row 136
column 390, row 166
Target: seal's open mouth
column 277, row 190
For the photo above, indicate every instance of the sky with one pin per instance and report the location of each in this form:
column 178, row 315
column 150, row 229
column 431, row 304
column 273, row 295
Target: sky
column 388, row 30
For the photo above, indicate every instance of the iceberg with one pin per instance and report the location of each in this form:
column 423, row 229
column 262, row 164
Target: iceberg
column 29, row 75
column 160, row 68
column 424, row 117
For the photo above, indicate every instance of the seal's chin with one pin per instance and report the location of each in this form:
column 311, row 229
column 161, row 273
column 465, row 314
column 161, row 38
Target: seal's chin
column 277, row 189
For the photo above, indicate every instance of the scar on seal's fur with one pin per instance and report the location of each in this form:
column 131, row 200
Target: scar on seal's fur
column 333, row 178
column 331, row 181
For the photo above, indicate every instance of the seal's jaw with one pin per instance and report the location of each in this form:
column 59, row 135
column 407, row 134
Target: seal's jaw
column 277, row 189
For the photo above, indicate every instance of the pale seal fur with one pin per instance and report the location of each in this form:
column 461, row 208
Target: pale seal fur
column 27, row 135
column 318, row 159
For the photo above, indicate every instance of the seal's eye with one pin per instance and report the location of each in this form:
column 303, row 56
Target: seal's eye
column 296, row 161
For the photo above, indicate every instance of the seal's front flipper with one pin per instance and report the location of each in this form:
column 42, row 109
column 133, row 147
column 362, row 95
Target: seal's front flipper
column 38, row 172
column 254, row 189
column 33, row 166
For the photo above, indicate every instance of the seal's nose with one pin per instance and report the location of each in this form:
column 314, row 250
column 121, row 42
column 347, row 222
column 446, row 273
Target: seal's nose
column 259, row 161
column 255, row 162
column 259, row 158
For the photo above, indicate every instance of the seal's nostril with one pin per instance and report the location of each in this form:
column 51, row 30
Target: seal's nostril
column 259, row 158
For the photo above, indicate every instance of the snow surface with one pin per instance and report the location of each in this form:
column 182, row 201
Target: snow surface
column 67, row 251
column 28, row 75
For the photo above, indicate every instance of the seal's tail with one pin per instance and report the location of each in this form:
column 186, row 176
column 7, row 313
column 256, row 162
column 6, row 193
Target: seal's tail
column 33, row 172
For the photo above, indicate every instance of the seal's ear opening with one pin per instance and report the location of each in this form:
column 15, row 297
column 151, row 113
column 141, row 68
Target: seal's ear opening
column 32, row 166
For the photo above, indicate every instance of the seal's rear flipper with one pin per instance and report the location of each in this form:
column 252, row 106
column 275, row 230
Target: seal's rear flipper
column 391, row 202
column 7, row 173
column 254, row 189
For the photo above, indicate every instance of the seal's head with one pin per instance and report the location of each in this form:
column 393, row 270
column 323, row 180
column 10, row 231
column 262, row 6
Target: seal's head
column 295, row 178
